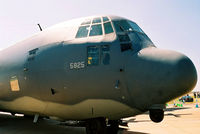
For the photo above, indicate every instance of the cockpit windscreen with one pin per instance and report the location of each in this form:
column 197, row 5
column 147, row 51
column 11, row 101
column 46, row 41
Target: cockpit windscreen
column 95, row 27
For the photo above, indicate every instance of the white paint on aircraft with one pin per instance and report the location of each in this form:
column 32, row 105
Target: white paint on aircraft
column 77, row 65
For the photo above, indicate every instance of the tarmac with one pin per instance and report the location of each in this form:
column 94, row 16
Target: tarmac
column 178, row 120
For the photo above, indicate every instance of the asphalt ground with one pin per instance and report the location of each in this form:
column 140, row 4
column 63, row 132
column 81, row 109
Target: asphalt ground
column 178, row 120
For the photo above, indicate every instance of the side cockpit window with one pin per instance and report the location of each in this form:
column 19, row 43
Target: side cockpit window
column 95, row 27
column 135, row 27
column 121, row 26
column 123, row 29
column 126, row 26
column 98, row 55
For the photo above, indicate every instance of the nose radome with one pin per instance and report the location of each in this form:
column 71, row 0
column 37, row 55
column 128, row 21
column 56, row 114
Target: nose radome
column 186, row 74
column 162, row 75
column 176, row 69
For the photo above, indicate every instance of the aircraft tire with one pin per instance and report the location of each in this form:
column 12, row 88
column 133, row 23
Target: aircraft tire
column 96, row 126
column 156, row 115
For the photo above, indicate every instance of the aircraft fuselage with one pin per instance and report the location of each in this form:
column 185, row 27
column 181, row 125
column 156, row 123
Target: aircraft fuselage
column 118, row 73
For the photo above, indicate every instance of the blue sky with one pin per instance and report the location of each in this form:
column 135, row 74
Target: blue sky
column 171, row 24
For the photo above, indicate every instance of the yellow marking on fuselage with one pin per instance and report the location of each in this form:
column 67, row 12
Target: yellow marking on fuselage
column 14, row 84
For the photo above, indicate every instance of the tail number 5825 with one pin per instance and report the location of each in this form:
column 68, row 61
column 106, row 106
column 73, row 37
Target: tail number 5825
column 77, row 65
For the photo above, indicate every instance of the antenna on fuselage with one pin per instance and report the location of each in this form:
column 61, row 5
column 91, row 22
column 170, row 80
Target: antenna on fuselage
column 40, row 27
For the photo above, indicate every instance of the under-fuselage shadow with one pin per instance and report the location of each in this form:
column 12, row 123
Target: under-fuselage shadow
column 15, row 125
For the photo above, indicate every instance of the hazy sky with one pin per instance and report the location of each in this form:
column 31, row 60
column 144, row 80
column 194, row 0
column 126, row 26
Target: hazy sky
column 171, row 24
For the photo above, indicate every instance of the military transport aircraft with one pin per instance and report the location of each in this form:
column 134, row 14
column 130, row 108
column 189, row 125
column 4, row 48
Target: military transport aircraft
column 97, row 69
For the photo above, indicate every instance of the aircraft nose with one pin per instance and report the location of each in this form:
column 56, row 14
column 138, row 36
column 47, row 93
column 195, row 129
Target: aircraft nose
column 161, row 74
column 184, row 74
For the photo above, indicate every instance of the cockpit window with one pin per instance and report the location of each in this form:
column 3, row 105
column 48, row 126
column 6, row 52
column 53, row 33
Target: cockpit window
column 82, row 31
column 118, row 28
column 122, row 26
column 96, row 26
column 96, row 20
column 96, row 30
column 126, row 26
column 87, row 21
column 135, row 27
column 105, row 19
column 108, row 28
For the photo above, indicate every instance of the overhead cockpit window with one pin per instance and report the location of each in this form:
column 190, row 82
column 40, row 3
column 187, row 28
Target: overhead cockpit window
column 108, row 28
column 88, row 21
column 96, row 20
column 96, row 30
column 135, row 27
column 93, row 55
column 82, row 31
column 105, row 19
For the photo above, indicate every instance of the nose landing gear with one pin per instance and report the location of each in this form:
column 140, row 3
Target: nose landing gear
column 156, row 115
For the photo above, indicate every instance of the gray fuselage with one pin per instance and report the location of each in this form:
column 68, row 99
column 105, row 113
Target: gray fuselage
column 120, row 74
